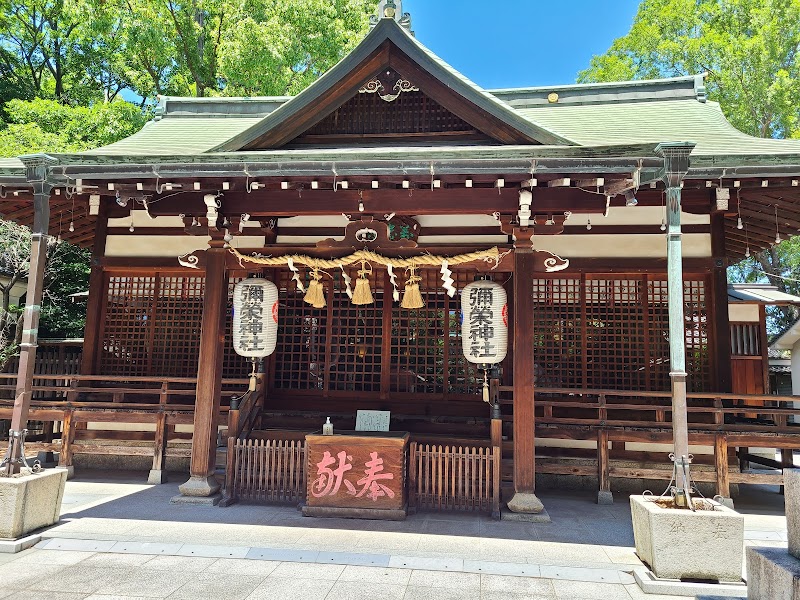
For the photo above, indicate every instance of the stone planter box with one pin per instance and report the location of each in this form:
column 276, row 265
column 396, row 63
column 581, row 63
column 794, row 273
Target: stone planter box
column 31, row 502
column 681, row 544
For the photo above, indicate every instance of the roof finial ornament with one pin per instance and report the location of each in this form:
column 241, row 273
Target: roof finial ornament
column 392, row 9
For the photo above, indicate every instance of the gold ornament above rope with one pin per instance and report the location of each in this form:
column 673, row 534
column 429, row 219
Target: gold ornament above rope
column 412, row 297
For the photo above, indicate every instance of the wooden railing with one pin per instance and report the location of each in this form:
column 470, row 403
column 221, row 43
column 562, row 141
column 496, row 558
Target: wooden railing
column 266, row 471
column 706, row 411
column 715, row 420
column 75, row 400
column 454, row 478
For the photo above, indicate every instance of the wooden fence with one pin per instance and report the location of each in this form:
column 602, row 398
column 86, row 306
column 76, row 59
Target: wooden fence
column 267, row 470
column 454, row 478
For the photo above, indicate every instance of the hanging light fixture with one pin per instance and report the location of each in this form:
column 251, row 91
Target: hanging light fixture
column 747, row 243
column 777, row 231
column 588, row 224
column 739, row 224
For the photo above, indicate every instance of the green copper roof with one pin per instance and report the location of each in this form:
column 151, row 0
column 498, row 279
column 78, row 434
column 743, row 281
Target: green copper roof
column 642, row 122
column 179, row 135
column 388, row 29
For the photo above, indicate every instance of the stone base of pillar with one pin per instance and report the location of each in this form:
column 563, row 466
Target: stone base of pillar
column 605, row 498
column 199, row 486
column 725, row 501
column 157, row 477
column 525, row 502
column 772, row 573
column 70, row 471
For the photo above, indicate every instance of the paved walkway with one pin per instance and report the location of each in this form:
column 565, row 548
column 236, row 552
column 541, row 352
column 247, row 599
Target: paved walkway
column 120, row 538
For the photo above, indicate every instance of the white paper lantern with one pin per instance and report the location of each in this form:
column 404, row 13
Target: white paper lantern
column 255, row 318
column 484, row 325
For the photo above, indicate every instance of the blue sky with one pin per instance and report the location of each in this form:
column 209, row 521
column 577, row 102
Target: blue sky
column 514, row 43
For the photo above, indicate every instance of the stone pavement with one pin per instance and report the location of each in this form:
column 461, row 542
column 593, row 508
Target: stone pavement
column 121, row 538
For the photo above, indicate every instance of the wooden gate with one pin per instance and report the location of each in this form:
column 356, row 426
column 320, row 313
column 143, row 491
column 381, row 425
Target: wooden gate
column 268, row 470
column 454, row 478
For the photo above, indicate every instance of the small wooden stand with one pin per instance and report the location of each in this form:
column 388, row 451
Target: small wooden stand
column 357, row 474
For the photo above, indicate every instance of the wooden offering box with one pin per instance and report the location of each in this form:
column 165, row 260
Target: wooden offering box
column 359, row 474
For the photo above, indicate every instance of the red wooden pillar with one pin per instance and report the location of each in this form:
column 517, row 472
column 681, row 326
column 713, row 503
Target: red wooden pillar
column 524, row 500
column 209, row 378
column 97, row 293
column 721, row 332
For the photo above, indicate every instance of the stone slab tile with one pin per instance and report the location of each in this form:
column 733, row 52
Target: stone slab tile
column 584, row 574
column 78, row 544
column 440, row 579
column 243, row 566
column 145, row 548
column 285, row 588
column 385, row 576
column 501, row 568
column 308, row 571
column 283, row 554
column 180, row 564
column 217, row 585
column 427, row 563
column 15, row 578
column 76, row 578
column 531, row 586
column 352, row 558
column 428, row 593
column 40, row 595
column 113, row 560
column 365, row 590
column 141, row 581
column 54, row 557
column 587, row 590
column 213, row 551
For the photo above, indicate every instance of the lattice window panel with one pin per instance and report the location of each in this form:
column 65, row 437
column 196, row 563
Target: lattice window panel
column 698, row 354
column 558, row 339
column 368, row 114
column 356, row 338
column 418, row 340
column 302, row 332
column 658, row 336
column 177, row 321
column 126, row 325
column 623, row 341
column 616, row 355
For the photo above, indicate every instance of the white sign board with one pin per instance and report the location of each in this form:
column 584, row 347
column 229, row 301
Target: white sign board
column 372, row 420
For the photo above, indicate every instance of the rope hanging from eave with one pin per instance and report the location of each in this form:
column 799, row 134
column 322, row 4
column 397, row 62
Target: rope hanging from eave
column 490, row 255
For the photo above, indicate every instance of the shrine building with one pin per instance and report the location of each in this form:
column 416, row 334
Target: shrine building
column 600, row 218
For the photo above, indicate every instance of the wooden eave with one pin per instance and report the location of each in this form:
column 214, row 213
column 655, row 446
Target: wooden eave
column 389, row 46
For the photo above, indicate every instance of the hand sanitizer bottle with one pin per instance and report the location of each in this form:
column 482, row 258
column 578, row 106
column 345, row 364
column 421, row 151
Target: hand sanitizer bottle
column 327, row 427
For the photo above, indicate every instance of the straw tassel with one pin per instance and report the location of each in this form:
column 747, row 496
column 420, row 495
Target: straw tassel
column 412, row 298
column 315, row 295
column 362, row 294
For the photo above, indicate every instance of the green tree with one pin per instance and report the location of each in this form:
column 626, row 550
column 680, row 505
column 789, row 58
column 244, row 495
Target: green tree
column 66, row 272
column 750, row 51
column 749, row 48
column 46, row 125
